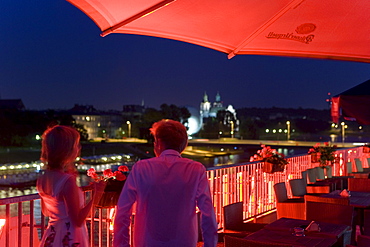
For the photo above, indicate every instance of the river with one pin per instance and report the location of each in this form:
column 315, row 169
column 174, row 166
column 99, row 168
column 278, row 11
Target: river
column 234, row 155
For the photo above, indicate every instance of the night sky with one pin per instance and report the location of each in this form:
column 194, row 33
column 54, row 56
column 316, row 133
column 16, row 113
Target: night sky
column 52, row 57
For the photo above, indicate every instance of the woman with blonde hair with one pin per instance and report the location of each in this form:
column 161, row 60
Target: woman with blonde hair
column 62, row 200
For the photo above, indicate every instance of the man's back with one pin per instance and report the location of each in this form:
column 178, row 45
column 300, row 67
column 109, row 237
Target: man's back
column 166, row 198
column 166, row 190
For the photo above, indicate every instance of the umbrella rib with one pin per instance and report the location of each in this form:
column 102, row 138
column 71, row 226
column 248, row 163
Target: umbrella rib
column 291, row 5
column 136, row 16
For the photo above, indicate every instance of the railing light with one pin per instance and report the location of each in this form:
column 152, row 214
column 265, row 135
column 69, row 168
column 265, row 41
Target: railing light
column 111, row 218
column 2, row 224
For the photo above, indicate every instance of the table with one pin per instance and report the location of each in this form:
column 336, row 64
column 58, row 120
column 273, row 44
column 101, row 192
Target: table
column 327, row 229
column 286, row 237
column 357, row 199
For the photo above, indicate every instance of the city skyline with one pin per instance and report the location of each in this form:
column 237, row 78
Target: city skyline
column 52, row 56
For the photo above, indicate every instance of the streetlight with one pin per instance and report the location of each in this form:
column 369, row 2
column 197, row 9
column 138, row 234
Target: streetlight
column 129, row 128
column 232, row 129
column 288, row 130
column 344, row 126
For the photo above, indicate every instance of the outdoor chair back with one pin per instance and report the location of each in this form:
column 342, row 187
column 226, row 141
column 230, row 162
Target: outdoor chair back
column 349, row 167
column 290, row 208
column 335, row 214
column 360, row 171
column 281, row 193
column 298, row 187
column 233, row 216
column 358, row 164
column 304, row 176
column 312, row 176
column 320, row 174
column 234, row 221
column 329, row 171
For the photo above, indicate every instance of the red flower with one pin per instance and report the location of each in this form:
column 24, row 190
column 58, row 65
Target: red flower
column 91, row 172
column 119, row 176
column 123, row 168
column 108, row 173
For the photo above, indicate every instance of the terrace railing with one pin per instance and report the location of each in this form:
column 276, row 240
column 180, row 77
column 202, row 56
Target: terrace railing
column 23, row 223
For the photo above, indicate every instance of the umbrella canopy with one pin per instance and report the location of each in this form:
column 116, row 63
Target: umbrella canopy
column 353, row 104
column 330, row 29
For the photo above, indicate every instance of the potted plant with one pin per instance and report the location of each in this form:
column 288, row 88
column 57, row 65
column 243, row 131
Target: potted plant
column 114, row 184
column 273, row 161
column 323, row 154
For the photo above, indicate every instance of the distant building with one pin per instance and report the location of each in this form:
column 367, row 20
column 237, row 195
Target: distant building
column 106, row 124
column 12, row 104
column 205, row 107
column 132, row 112
column 209, row 110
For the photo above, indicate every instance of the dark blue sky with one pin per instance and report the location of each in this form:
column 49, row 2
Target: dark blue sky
column 52, row 56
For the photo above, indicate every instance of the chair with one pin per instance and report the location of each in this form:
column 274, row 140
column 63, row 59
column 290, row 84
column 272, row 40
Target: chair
column 363, row 215
column 338, row 182
column 304, row 176
column 320, row 174
column 333, row 213
column 230, row 241
column 233, row 221
column 359, row 184
column 359, row 170
column 289, row 208
column 329, row 171
column 311, row 175
column 298, row 187
column 360, row 167
column 315, row 186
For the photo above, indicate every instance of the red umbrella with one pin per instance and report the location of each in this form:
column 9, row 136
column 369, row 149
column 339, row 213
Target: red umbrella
column 330, row 29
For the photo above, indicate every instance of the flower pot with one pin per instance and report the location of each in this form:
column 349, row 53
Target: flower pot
column 111, row 194
column 272, row 167
column 315, row 158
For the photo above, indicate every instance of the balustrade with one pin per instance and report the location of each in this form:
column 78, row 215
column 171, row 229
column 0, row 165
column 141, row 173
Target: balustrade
column 25, row 224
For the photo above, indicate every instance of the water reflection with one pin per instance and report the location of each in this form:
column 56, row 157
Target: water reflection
column 244, row 156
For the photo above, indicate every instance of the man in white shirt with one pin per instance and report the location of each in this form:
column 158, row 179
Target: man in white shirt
column 167, row 189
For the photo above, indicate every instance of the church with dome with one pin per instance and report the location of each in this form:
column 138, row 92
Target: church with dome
column 208, row 111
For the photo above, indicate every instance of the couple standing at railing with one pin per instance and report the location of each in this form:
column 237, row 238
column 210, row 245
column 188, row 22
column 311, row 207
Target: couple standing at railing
column 166, row 189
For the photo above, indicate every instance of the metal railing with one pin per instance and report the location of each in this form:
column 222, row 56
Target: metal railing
column 25, row 224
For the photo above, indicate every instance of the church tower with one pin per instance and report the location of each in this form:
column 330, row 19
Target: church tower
column 218, row 102
column 205, row 106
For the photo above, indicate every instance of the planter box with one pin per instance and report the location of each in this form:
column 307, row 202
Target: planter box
column 271, row 167
column 315, row 158
column 111, row 194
